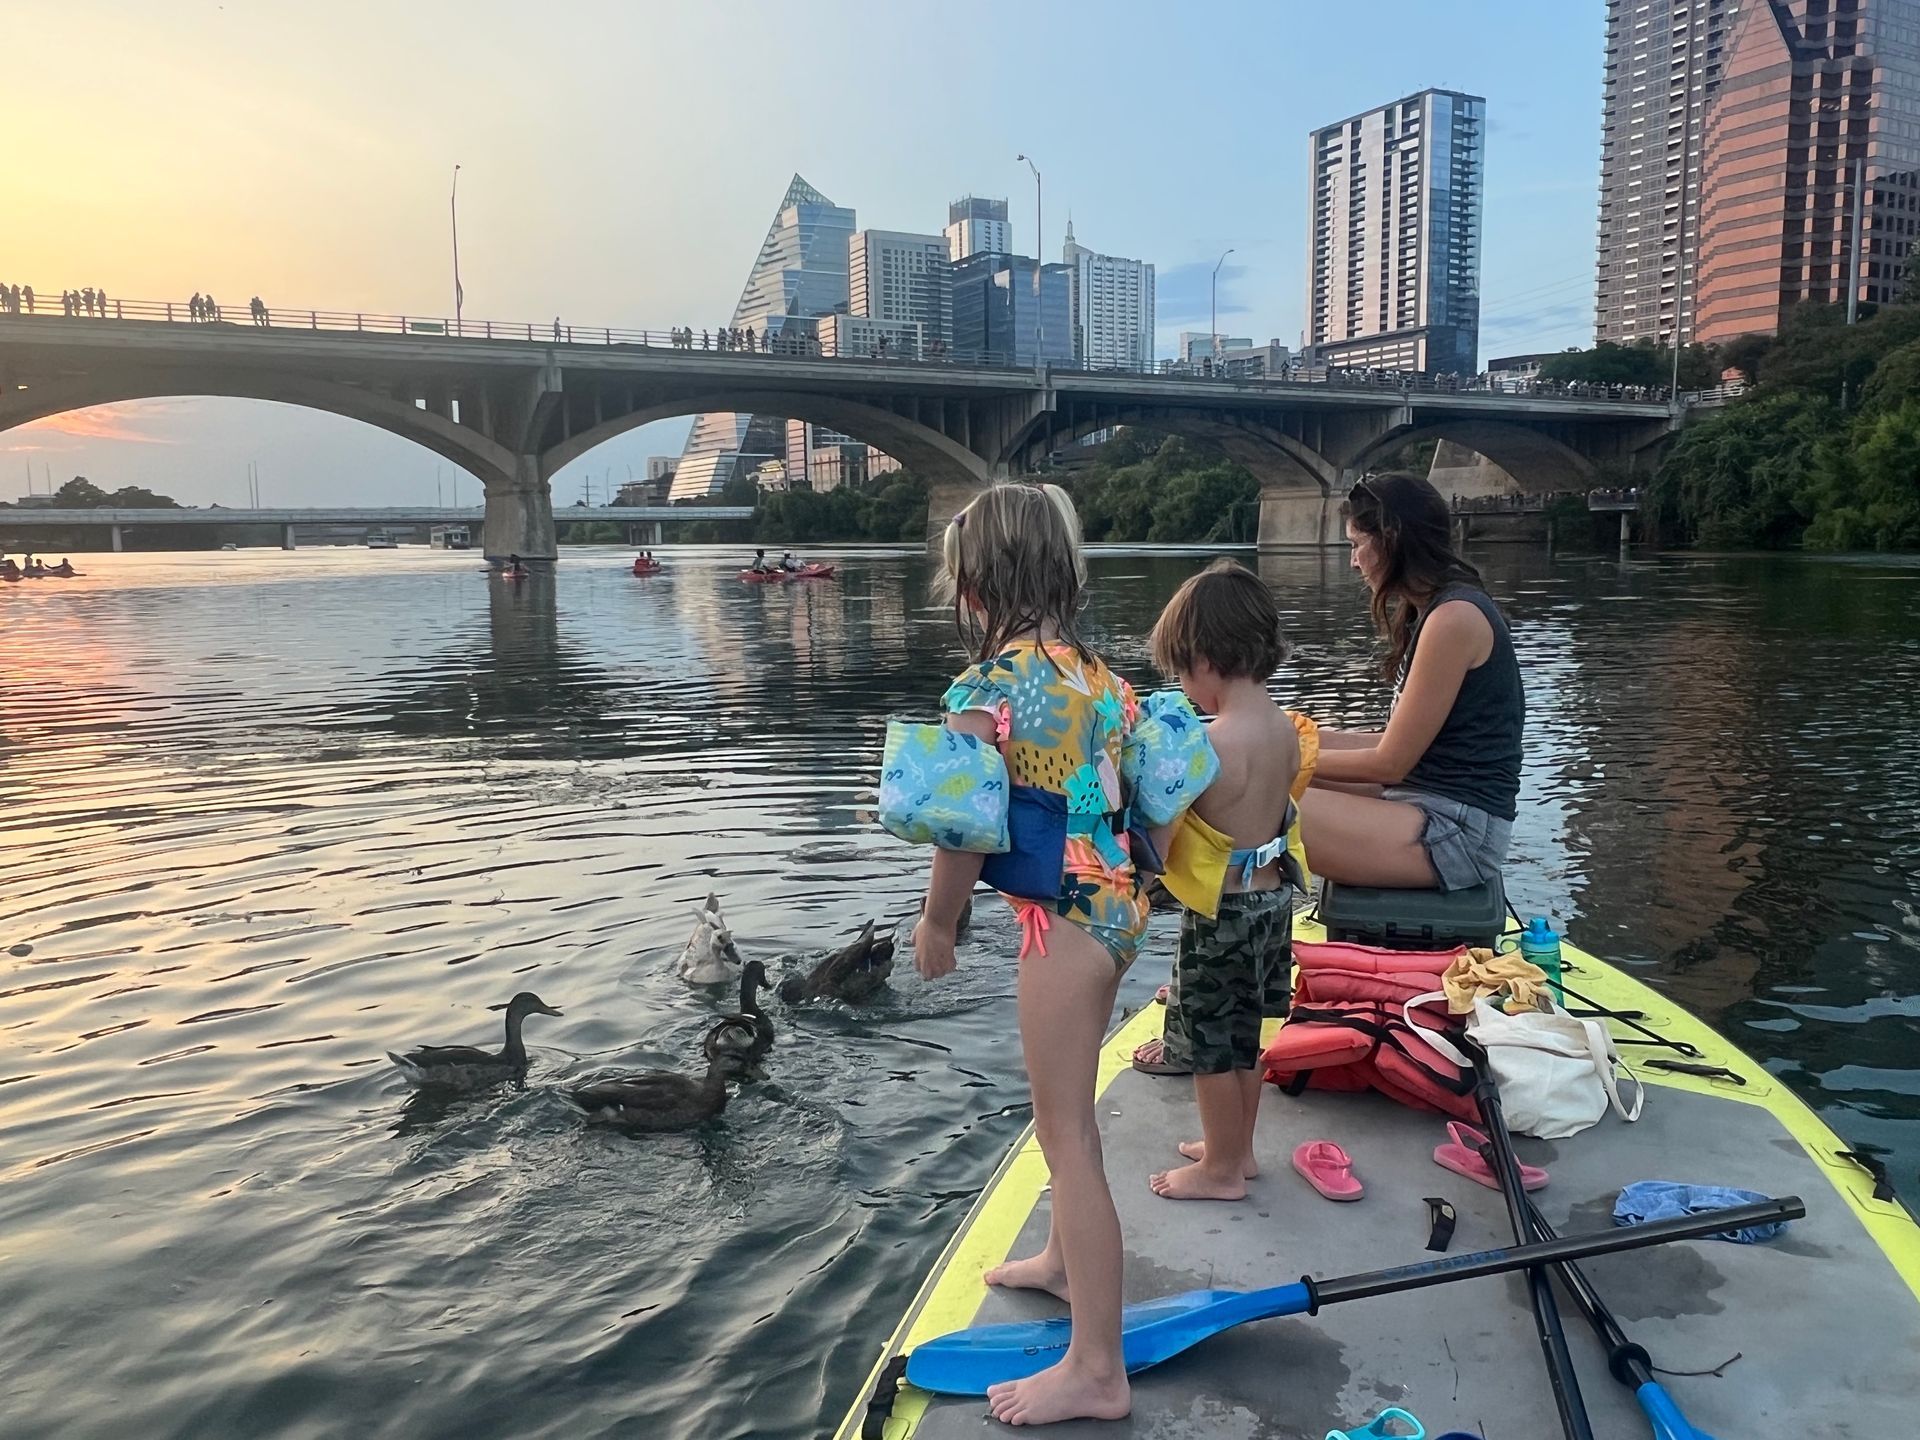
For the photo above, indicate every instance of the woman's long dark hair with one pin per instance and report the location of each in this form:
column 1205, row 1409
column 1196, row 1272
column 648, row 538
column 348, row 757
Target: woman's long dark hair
column 1412, row 532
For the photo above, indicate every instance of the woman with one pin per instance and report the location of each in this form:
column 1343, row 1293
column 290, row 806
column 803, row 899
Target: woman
column 1429, row 801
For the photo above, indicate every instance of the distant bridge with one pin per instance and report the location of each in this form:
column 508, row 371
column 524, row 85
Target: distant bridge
column 38, row 517
column 513, row 404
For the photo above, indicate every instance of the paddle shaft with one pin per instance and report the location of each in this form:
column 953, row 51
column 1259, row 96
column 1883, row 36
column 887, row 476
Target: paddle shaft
column 1567, row 1399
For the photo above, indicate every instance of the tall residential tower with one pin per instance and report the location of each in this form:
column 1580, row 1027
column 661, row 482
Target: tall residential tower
column 1816, row 96
column 1112, row 305
column 1394, row 235
column 977, row 227
column 1663, row 66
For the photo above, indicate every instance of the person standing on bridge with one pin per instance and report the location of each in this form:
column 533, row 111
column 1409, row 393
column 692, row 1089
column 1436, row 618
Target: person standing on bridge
column 27, row 294
column 556, row 327
column 100, row 299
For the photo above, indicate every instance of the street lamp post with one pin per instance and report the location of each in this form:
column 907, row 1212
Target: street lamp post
column 453, row 207
column 1039, row 244
column 1213, row 334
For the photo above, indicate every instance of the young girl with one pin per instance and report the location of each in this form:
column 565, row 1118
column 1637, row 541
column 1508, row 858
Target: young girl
column 1059, row 717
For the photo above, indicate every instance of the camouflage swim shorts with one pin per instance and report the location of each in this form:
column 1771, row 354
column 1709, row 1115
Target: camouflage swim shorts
column 1228, row 971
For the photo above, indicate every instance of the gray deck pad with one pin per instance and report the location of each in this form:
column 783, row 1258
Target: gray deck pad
column 1827, row 1333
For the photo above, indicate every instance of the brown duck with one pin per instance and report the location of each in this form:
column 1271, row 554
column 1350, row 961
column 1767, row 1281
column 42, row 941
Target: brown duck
column 856, row 973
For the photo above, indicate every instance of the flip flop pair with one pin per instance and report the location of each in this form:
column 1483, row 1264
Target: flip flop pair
column 1462, row 1156
column 1328, row 1169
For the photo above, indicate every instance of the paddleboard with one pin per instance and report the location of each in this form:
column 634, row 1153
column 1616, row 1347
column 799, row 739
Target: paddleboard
column 1825, row 1320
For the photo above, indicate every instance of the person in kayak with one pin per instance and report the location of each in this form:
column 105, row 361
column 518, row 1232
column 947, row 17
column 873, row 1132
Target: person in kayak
column 760, row 565
column 788, row 563
column 1429, row 801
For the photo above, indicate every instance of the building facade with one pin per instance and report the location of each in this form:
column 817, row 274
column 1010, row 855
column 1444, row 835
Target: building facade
column 977, row 227
column 853, row 336
column 896, row 277
column 1001, row 316
column 1816, row 97
column 1110, row 302
column 1664, row 59
column 801, row 274
column 1393, row 237
column 1199, row 345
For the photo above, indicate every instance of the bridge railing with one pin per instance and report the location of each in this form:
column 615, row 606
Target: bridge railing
column 1535, row 503
column 802, row 343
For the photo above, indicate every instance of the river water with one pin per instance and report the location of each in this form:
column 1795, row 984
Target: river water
column 265, row 816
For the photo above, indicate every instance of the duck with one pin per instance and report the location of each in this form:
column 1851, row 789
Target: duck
column 709, row 957
column 662, row 1100
column 856, row 973
column 749, row 1033
column 468, row 1065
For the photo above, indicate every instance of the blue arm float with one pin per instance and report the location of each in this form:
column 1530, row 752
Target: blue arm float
column 1167, row 760
column 941, row 787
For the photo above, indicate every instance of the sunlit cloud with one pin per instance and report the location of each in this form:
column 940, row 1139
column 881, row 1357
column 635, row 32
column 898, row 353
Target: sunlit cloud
column 102, row 422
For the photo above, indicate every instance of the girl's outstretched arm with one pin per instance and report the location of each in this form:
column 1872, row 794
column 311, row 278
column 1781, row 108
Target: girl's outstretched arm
column 955, row 873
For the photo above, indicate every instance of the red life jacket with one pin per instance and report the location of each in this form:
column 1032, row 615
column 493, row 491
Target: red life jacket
column 1346, row 1029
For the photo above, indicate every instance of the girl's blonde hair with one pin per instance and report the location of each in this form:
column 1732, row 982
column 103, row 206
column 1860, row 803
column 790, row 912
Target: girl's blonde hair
column 1013, row 566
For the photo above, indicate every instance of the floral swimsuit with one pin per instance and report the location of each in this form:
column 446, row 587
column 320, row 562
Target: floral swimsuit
column 1060, row 723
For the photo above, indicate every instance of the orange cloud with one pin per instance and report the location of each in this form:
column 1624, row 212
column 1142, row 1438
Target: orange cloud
column 102, row 422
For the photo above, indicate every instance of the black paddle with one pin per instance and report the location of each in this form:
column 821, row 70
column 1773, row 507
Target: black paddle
column 1546, row 1313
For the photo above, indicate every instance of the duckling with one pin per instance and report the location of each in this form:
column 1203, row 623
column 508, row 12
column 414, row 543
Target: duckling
column 855, row 974
column 658, row 1100
column 710, row 957
column 467, row 1066
column 748, row 1033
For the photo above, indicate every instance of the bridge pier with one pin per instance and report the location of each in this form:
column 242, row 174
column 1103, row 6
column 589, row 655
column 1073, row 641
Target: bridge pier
column 1299, row 518
column 946, row 499
column 519, row 519
column 115, row 532
column 286, row 537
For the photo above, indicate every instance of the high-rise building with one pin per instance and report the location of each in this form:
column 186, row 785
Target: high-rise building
column 894, row 276
column 1394, row 235
column 1199, row 345
column 801, row 274
column 1001, row 317
column 1815, row 96
column 1111, row 304
column 1663, row 66
column 977, row 227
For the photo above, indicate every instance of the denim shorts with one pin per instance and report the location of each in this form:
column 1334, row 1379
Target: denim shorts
column 1466, row 846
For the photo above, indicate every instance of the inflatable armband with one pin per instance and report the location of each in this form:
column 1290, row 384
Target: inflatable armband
column 1167, row 759
column 942, row 787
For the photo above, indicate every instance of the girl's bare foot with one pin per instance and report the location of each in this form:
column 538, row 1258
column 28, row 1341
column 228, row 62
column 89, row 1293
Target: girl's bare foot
column 1196, row 1182
column 1066, row 1391
column 1196, row 1150
column 1045, row 1271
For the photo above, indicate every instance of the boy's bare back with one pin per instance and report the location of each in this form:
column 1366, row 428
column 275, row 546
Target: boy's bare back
column 1259, row 754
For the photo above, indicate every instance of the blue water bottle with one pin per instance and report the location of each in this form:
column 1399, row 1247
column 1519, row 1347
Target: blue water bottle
column 1540, row 944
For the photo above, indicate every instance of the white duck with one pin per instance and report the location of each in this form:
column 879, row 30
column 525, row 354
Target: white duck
column 710, row 957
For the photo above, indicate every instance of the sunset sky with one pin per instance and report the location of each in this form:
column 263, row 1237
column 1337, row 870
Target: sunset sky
column 621, row 160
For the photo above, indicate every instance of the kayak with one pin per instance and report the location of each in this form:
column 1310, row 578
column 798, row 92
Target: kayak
column 512, row 574
column 1825, row 1319
column 643, row 569
column 780, row 577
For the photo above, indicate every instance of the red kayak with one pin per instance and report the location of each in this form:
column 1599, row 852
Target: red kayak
column 641, row 567
column 780, row 577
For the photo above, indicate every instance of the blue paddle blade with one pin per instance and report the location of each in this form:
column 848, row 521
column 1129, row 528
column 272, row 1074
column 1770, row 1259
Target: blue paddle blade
column 966, row 1362
column 1668, row 1423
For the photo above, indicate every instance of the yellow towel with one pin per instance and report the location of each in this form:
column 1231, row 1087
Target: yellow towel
column 1482, row 972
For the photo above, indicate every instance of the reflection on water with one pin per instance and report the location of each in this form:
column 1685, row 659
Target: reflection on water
column 266, row 816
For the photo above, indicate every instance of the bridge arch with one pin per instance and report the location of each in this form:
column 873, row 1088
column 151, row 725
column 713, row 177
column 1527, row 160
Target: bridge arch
column 1279, row 461
column 492, row 463
column 935, row 457
column 1537, row 460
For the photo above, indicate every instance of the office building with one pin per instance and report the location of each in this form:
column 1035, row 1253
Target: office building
column 901, row 278
column 1000, row 316
column 1814, row 94
column 977, row 227
column 1110, row 302
column 1393, row 238
column 1199, row 345
column 858, row 336
column 1663, row 65
column 801, row 274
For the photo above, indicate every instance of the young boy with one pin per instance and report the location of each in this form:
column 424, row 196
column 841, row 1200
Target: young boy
column 1220, row 638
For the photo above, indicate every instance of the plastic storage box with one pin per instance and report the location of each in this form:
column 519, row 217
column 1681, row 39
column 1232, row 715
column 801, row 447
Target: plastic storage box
column 1414, row 919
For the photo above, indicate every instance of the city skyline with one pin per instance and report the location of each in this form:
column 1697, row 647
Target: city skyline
column 334, row 191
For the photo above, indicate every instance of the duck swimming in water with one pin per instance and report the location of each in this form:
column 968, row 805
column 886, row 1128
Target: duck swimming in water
column 468, row 1066
column 749, row 1033
column 661, row 1100
column 855, row 974
column 710, row 957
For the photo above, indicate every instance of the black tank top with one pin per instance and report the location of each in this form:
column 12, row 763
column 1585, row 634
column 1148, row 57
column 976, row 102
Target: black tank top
column 1475, row 758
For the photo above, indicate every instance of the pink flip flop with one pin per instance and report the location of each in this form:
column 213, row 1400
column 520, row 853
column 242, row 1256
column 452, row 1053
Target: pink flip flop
column 1328, row 1169
column 1463, row 1158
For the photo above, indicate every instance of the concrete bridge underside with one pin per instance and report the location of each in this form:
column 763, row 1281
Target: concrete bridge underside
column 513, row 414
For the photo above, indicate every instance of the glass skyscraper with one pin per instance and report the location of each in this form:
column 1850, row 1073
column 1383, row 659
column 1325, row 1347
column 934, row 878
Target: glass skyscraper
column 999, row 318
column 800, row 275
